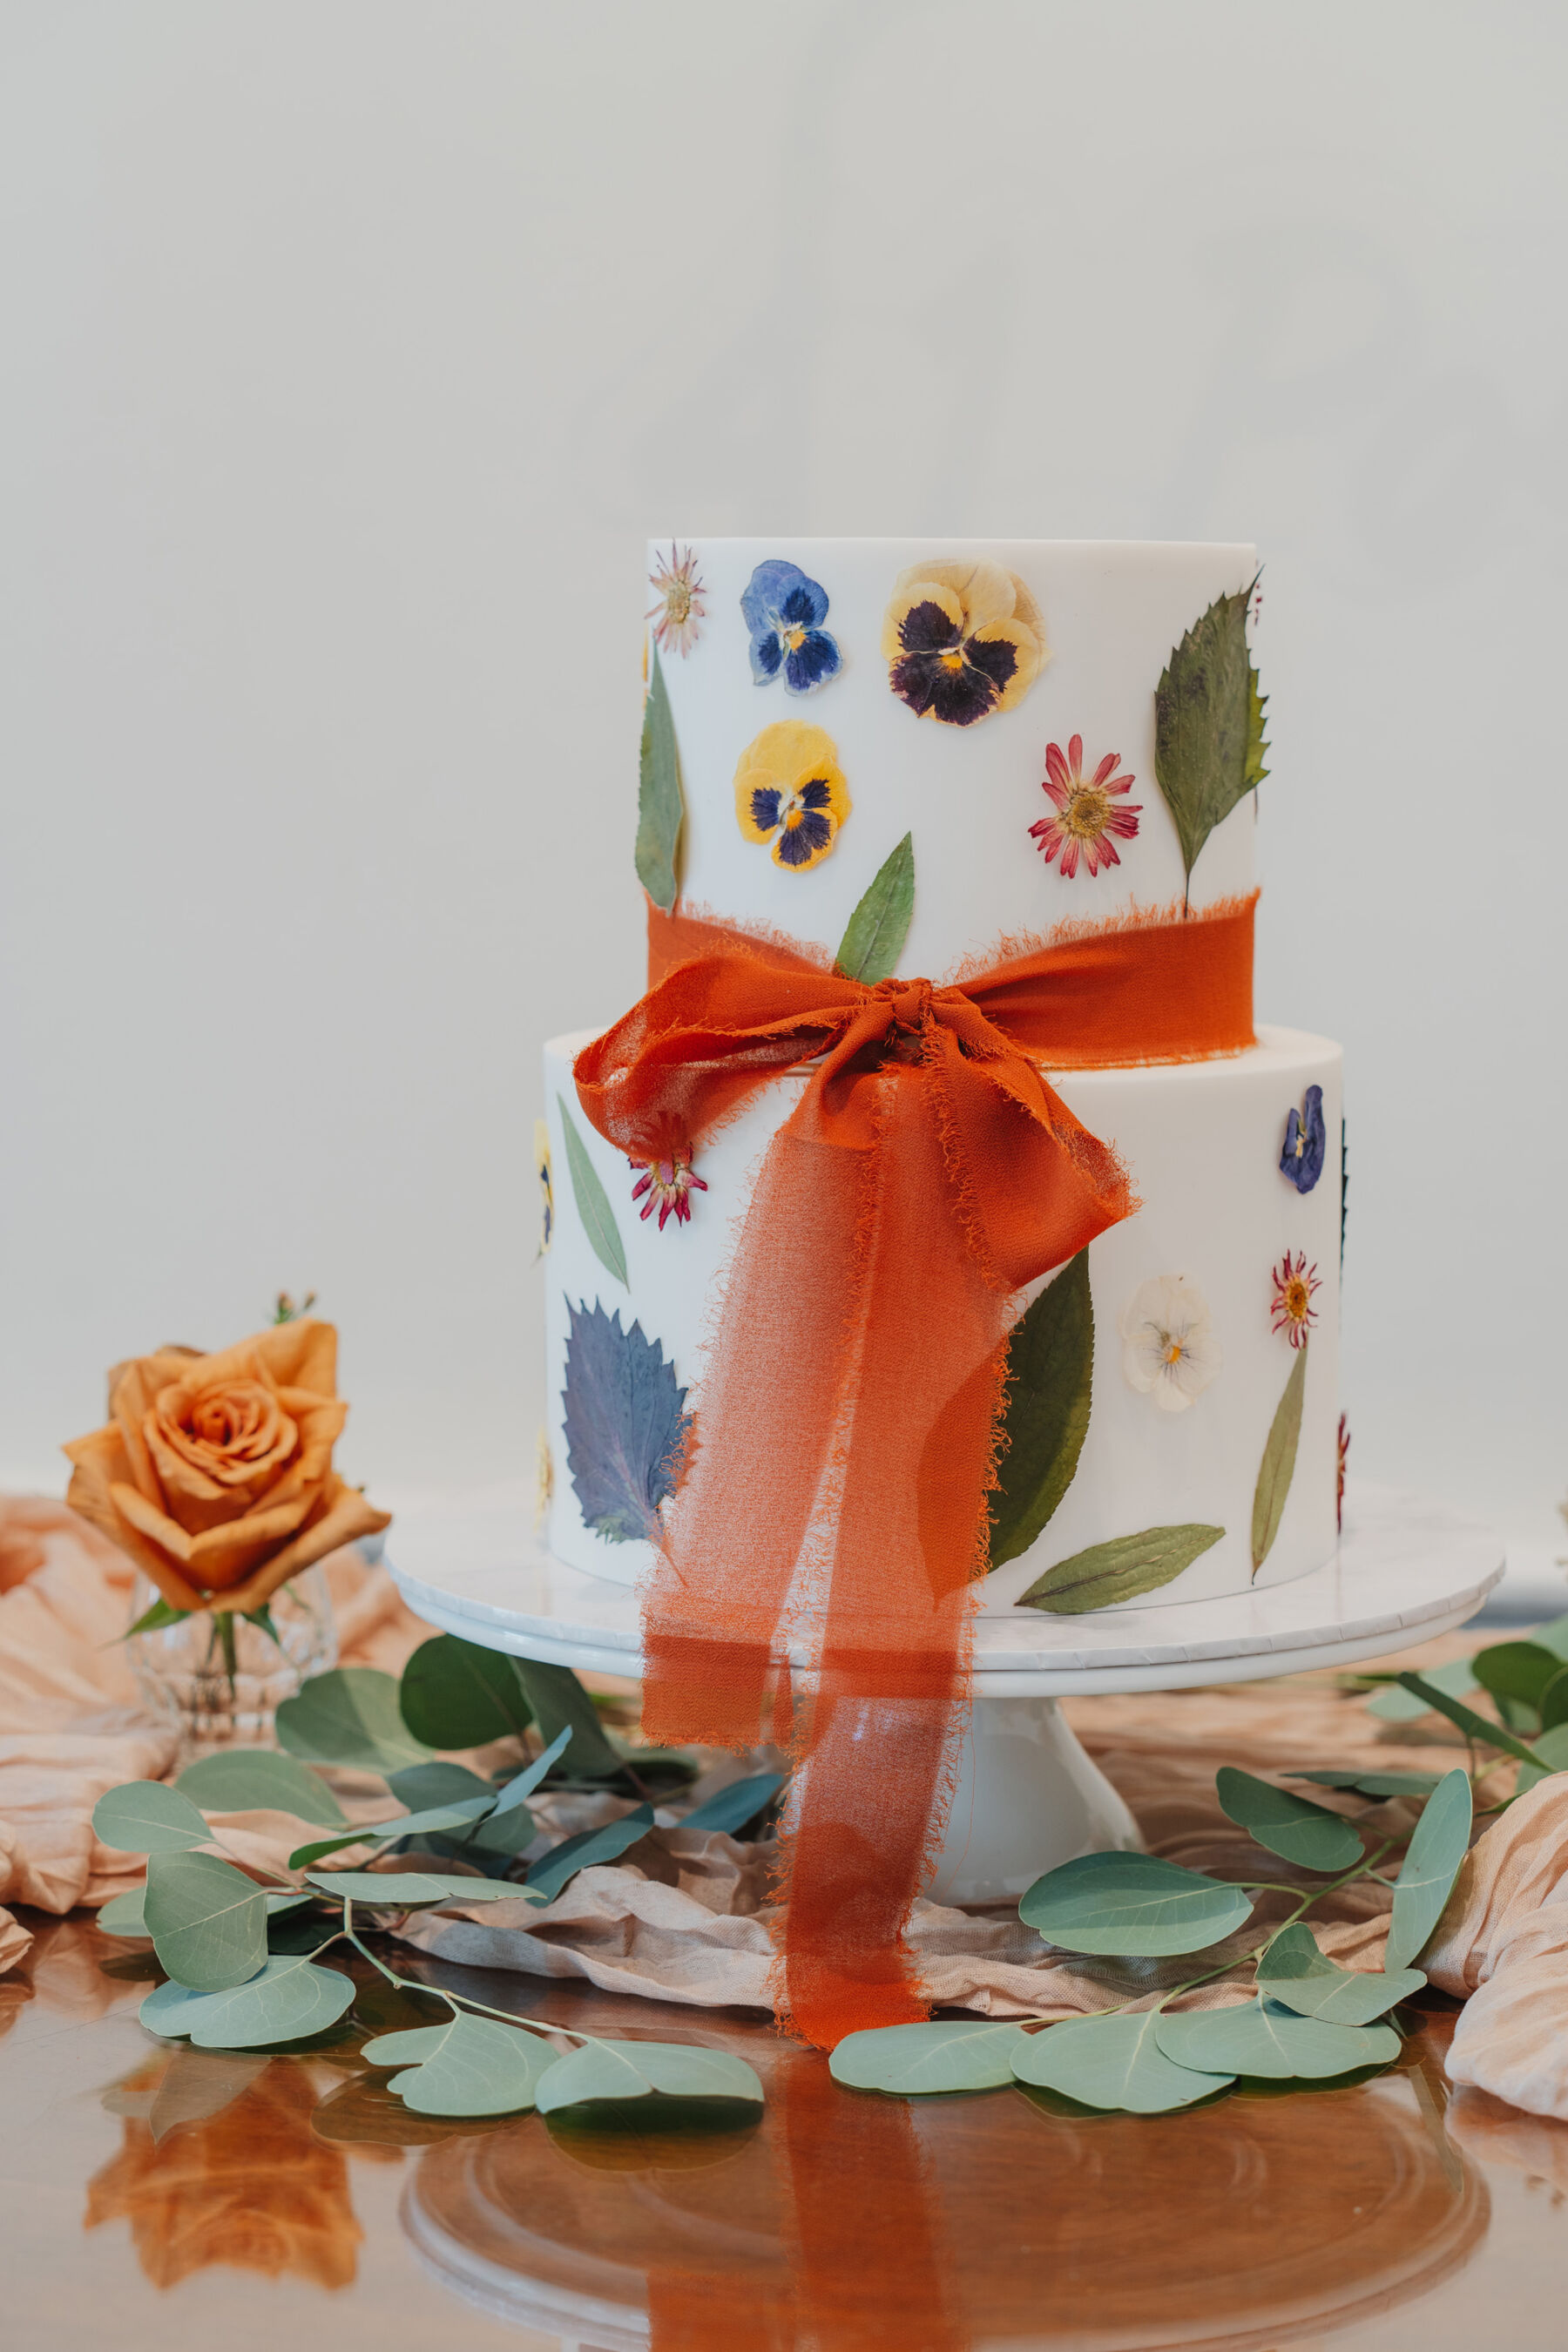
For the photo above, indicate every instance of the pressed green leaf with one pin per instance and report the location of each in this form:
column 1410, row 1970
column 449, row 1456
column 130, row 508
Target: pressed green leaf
column 521, row 1786
column 455, row 1695
column 1208, row 724
column 287, row 1999
column 1045, row 1418
column 441, row 1783
column 1119, row 1570
column 467, row 2066
column 1375, row 1784
column 634, row 2070
column 1279, row 1465
column 1113, row 2062
column 1550, row 1754
column 1256, row 743
column 1517, row 1670
column 409, row 1890
column 593, row 1202
column 1294, row 1972
column 559, row 1701
column 1292, row 1826
column 547, row 1877
column 123, row 1915
column 206, row 1919
column 147, row 1817
column 947, row 2054
column 874, row 939
column 1474, row 1727
column 1262, row 2038
column 246, row 1779
column 350, row 1716
column 152, row 1620
column 660, row 805
column 733, row 1807
column 1132, row 1905
column 1395, row 1704
column 1439, row 1844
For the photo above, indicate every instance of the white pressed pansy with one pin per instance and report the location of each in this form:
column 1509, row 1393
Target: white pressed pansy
column 1169, row 1352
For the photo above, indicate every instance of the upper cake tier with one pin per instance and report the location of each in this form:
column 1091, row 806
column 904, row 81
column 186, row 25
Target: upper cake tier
column 1024, row 710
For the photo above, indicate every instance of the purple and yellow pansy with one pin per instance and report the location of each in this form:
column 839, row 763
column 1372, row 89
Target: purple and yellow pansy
column 790, row 793
column 961, row 640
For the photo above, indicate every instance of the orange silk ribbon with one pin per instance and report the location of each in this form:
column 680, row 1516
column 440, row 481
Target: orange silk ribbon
column 847, row 1418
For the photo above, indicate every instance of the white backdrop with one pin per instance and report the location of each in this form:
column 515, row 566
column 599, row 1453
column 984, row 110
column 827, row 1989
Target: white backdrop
column 352, row 346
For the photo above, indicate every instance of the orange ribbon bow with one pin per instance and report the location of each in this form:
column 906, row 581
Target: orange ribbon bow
column 846, row 1421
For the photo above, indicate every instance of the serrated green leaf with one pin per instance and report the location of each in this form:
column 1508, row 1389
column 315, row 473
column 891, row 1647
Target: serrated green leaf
column 246, row 1779
column 1473, row 1726
column 1549, row 1755
column 350, row 1716
column 548, row 1876
column 1113, row 2062
column 1438, row 1845
column 733, row 1807
column 1517, row 1670
column 287, row 1999
column 1119, row 1570
column 1045, row 1418
column 967, row 2053
column 1208, row 724
column 559, row 1701
column 152, row 1620
column 660, row 804
column 635, row 2070
column 593, row 1202
column 456, row 1695
column 521, row 1786
column 1256, row 743
column 1304, row 1834
column 1294, row 1972
column 147, row 1817
column 1262, row 2038
column 1375, row 1784
column 206, row 1919
column 1395, row 1704
column 409, row 1890
column 467, row 2066
column 874, row 937
column 1132, row 1905
column 441, row 1783
column 1278, row 1466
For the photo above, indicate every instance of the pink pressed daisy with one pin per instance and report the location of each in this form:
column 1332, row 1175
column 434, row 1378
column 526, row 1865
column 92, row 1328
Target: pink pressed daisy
column 1086, row 815
column 1294, row 1283
column 668, row 1184
column 678, row 616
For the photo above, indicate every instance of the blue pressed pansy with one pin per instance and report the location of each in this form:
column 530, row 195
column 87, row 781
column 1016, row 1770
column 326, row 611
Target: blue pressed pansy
column 1306, row 1140
column 784, row 611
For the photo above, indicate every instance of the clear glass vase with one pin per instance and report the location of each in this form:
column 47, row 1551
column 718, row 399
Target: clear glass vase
column 221, row 1678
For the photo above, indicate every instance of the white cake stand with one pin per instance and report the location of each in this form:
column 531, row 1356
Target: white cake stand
column 1029, row 1798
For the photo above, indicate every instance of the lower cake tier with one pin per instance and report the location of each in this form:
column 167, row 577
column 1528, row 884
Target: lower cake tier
column 1173, row 1414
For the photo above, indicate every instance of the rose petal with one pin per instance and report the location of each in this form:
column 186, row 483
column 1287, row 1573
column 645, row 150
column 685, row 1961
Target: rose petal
column 348, row 1517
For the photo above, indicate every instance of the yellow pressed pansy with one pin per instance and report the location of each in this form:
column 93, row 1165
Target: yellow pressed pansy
column 961, row 640
column 790, row 791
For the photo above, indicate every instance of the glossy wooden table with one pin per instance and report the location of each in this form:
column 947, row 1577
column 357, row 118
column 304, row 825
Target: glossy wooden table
column 158, row 2198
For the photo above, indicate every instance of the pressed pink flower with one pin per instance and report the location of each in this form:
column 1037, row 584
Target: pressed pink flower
column 1088, row 822
column 678, row 616
column 1344, row 1448
column 668, row 1184
column 1294, row 1283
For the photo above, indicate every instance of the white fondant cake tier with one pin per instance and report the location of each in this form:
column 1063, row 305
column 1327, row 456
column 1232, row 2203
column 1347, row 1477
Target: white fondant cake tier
column 1203, row 1141
column 1107, row 615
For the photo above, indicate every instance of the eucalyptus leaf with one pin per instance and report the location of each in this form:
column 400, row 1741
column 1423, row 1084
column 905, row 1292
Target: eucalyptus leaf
column 350, row 1716
column 1045, row 1416
column 455, row 1695
column 1553, row 1636
column 967, row 2053
column 148, row 1817
column 547, row 1877
column 1473, row 1726
column 1279, row 1465
column 199, row 2083
column 1119, row 1570
column 206, row 1919
column 409, row 1890
column 560, row 1702
column 501, row 1834
column 1549, row 1755
column 1304, row 1834
column 1132, row 1905
column 1438, row 1845
column 1517, row 1670
column 1375, row 1784
column 123, row 1915
column 1113, row 2062
column 1208, row 724
column 660, row 804
column 874, row 939
column 393, row 1831
column 1296, row 1973
column 467, row 2066
column 593, row 1202
column 1261, row 2037
column 289, row 2000
column 441, row 1783
column 635, row 2070
column 249, row 1779
column 731, row 1809
column 1395, row 1704
column 521, row 1786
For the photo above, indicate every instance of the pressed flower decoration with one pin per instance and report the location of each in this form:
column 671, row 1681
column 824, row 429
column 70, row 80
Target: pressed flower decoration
column 1088, row 822
column 1342, row 1455
column 667, row 1185
column 678, row 613
column 961, row 640
column 546, row 1183
column 790, row 791
column 784, row 611
column 1168, row 1349
column 1295, row 1283
column 1306, row 1141
column 544, row 1479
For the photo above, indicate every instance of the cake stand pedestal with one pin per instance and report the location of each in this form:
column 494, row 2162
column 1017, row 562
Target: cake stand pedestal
column 1029, row 1799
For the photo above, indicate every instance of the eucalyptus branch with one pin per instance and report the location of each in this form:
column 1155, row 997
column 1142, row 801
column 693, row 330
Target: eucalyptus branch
column 455, row 2002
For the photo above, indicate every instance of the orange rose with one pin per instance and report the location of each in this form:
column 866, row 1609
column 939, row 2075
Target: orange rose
column 214, row 1473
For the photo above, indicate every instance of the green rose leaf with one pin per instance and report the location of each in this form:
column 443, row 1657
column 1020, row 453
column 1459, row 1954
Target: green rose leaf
column 252, row 1780
column 559, row 1701
column 1431, row 1865
column 467, row 2066
column 152, row 1620
column 146, row 1817
column 206, row 1919
column 350, row 1716
column 547, row 1877
column 1113, row 2062
column 418, row 1786
column 287, row 1999
column 1208, row 724
column 1295, row 1973
column 1304, row 1834
column 1132, row 1905
column 1119, row 1570
column 874, row 939
column 1279, row 1465
column 1397, row 1706
column 915, row 2061
column 635, row 2070
column 1517, row 1670
column 1550, row 1755
column 593, row 1204
column 1045, row 1417
column 733, row 1807
column 409, row 1890
column 1473, row 1726
column 660, row 804
column 1260, row 2037
column 455, row 1695
column 1375, row 1784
